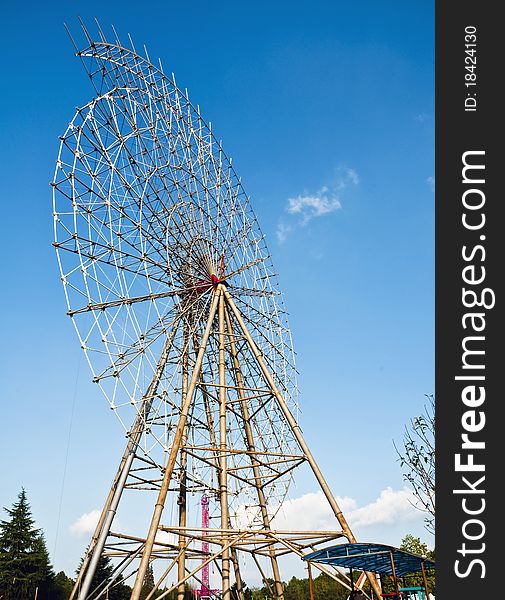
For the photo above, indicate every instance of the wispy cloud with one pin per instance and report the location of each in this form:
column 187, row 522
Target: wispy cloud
column 422, row 117
column 300, row 210
column 283, row 231
column 431, row 182
column 321, row 203
column 349, row 176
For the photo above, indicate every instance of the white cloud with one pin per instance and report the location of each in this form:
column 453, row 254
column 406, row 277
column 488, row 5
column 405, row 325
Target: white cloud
column 300, row 210
column 86, row 523
column 431, row 182
column 166, row 537
column 392, row 506
column 317, row 205
column 312, row 511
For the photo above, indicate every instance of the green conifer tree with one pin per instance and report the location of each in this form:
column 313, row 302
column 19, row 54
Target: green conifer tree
column 63, row 586
column 25, row 569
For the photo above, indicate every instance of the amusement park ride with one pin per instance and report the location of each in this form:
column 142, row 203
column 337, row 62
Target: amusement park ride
column 174, row 298
column 204, row 592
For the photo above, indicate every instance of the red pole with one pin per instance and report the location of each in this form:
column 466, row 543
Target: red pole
column 205, row 587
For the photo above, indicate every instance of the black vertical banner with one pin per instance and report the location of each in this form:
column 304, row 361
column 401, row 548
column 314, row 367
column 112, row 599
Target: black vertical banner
column 470, row 241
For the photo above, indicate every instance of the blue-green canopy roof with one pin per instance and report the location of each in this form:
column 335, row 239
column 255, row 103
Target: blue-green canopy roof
column 375, row 558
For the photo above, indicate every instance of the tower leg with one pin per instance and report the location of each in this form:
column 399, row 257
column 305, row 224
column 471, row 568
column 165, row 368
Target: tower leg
column 182, row 500
column 252, row 451
column 223, row 475
column 238, row 578
column 160, row 502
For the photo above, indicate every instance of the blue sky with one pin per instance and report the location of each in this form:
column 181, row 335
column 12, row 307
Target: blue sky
column 327, row 111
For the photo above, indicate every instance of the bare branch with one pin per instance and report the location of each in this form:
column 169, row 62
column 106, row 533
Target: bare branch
column 417, row 459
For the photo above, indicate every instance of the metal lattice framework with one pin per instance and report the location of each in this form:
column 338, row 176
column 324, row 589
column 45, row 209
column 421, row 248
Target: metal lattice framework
column 175, row 301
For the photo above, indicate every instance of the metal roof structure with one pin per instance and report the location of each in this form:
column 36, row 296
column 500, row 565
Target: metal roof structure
column 376, row 558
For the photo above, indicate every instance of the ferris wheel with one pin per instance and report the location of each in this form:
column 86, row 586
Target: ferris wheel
column 149, row 216
column 175, row 302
